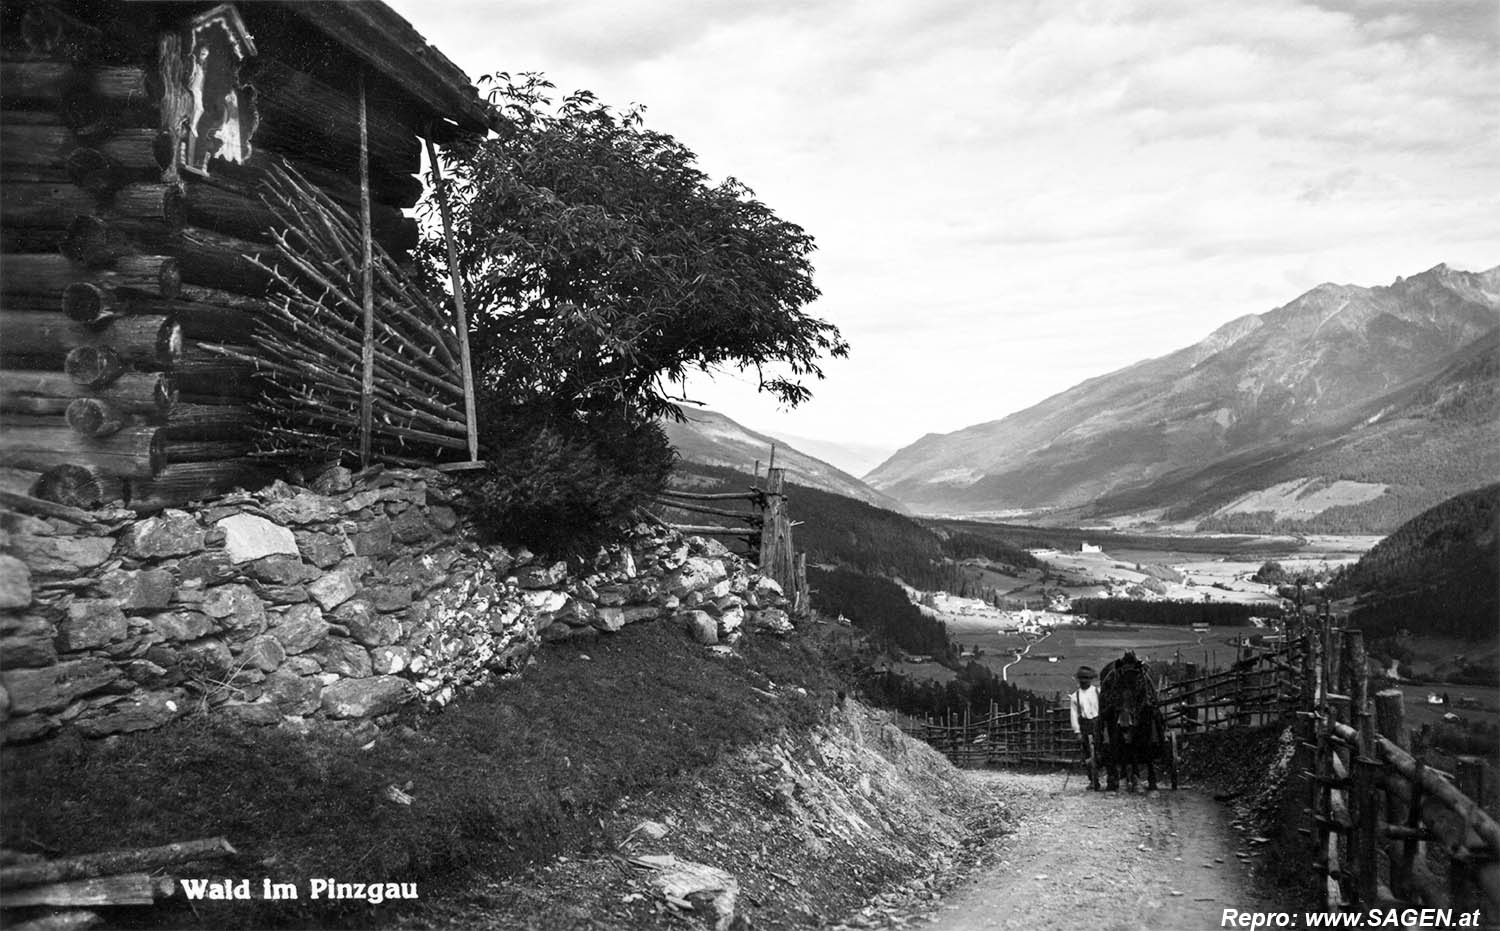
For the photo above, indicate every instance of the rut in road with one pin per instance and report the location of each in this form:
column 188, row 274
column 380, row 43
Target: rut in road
column 1105, row 861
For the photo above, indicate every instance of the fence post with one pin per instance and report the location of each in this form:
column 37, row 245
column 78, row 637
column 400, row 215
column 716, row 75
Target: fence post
column 1390, row 723
column 1363, row 811
column 1334, row 862
column 1462, row 888
column 776, row 534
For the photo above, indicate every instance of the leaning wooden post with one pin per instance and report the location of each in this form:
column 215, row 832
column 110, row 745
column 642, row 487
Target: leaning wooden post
column 367, row 285
column 446, row 212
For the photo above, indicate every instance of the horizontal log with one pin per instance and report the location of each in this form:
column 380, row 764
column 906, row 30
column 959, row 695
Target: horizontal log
column 74, row 920
column 43, row 442
column 79, row 486
column 240, row 211
column 135, row 151
column 54, row 274
column 94, row 418
column 124, row 889
column 295, row 106
column 91, row 99
column 177, row 485
column 203, row 321
column 49, row 392
column 208, row 421
column 219, row 261
column 148, row 200
column 699, row 496
column 398, row 190
column 144, row 341
column 49, row 206
column 93, row 366
column 18, row 481
column 211, row 450
column 43, row 145
column 711, row 531
column 202, row 376
column 114, row 861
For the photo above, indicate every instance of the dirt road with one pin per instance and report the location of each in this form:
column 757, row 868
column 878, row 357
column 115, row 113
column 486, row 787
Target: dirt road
column 1086, row 861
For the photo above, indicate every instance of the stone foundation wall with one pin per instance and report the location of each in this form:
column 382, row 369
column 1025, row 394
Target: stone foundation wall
column 343, row 600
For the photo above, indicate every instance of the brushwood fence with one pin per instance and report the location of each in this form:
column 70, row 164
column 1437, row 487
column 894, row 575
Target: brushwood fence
column 1385, row 830
column 1035, row 734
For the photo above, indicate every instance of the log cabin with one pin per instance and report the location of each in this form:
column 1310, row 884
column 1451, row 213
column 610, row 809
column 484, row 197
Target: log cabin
column 136, row 139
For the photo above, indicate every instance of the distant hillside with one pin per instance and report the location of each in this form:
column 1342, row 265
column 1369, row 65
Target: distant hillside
column 839, row 531
column 709, row 438
column 1349, row 408
column 1438, row 574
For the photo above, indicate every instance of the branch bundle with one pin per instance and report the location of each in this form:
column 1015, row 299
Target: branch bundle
column 308, row 343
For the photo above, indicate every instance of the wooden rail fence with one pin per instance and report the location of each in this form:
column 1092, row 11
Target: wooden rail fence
column 765, row 529
column 1386, row 830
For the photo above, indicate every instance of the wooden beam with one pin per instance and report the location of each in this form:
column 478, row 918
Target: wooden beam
column 470, row 419
column 114, row 861
column 367, row 286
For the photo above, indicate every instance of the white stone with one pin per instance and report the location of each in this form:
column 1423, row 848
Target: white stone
column 544, row 601
column 247, row 537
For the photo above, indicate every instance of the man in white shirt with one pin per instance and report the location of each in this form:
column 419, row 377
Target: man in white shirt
column 1083, row 709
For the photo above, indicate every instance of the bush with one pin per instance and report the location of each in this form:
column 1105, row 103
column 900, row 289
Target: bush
column 565, row 483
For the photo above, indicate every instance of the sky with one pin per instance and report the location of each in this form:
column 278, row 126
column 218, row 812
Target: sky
column 1011, row 197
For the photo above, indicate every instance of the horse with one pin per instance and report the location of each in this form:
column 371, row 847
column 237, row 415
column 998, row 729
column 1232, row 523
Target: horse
column 1132, row 725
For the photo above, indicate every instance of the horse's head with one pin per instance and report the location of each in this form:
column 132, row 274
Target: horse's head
column 1126, row 693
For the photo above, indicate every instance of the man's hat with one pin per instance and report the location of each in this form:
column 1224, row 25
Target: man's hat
column 1085, row 672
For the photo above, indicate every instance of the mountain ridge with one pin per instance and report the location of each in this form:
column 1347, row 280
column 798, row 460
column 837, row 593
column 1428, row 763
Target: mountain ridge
column 707, row 437
column 1259, row 385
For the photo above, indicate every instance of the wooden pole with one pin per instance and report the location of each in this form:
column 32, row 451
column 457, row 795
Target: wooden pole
column 1363, row 808
column 367, row 378
column 114, row 861
column 458, row 298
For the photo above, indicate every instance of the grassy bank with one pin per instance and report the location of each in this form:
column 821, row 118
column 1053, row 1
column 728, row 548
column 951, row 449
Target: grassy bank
column 507, row 777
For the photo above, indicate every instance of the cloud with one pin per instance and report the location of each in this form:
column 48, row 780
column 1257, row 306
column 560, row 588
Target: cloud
column 999, row 181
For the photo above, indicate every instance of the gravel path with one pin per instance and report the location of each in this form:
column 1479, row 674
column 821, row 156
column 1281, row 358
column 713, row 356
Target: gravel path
column 1160, row 861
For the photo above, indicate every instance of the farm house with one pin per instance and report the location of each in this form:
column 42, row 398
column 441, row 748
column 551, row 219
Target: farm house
column 155, row 158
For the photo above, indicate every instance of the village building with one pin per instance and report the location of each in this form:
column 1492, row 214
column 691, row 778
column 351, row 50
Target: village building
column 137, row 234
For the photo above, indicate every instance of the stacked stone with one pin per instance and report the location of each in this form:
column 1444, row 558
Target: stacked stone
column 695, row 582
column 341, row 600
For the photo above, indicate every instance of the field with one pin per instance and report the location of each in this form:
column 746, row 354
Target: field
column 1052, row 660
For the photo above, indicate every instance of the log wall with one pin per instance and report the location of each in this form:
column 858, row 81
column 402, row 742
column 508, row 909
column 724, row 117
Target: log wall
column 117, row 259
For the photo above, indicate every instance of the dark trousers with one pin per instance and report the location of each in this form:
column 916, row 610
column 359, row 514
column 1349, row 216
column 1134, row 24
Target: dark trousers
column 1089, row 734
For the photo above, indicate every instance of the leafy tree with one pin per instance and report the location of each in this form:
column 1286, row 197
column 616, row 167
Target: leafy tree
column 604, row 266
column 601, row 266
column 1271, row 572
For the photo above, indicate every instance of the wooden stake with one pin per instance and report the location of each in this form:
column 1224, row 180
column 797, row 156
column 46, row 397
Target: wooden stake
column 458, row 299
column 367, row 379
